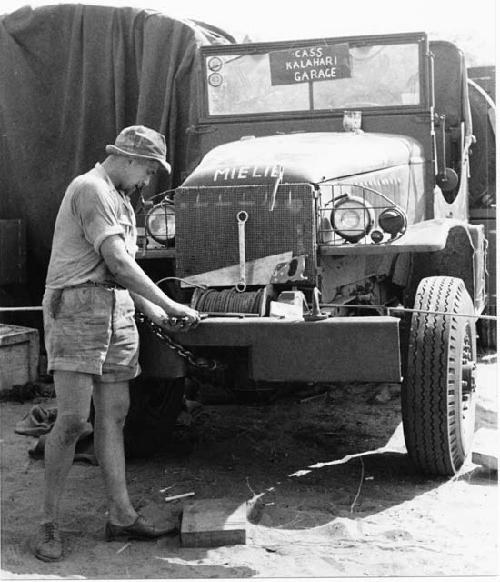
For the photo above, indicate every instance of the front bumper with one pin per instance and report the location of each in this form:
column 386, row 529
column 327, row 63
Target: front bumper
column 338, row 349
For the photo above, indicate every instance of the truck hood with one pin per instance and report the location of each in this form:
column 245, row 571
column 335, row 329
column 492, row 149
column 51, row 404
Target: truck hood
column 303, row 157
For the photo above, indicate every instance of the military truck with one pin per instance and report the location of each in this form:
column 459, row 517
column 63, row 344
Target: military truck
column 324, row 230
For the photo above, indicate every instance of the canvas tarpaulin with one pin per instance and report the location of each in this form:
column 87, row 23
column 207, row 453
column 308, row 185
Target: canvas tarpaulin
column 71, row 77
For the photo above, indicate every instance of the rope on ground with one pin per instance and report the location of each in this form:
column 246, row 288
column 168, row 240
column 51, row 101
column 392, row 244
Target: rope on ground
column 360, row 483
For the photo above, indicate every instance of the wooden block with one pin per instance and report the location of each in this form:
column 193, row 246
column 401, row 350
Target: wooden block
column 486, row 460
column 213, row 522
column 485, row 448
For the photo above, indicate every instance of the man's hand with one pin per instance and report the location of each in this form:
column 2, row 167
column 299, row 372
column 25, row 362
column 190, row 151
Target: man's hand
column 153, row 312
column 182, row 318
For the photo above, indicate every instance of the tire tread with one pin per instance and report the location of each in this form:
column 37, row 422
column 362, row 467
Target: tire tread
column 430, row 388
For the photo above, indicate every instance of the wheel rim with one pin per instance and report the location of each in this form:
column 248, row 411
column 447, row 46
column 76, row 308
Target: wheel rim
column 468, row 388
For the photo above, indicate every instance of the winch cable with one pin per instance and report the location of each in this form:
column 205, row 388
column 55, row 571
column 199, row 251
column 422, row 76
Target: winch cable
column 405, row 310
column 226, row 302
column 230, row 300
column 470, row 315
column 187, row 283
column 250, row 300
column 28, row 308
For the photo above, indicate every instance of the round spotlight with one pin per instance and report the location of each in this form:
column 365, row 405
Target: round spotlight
column 392, row 221
column 377, row 236
column 160, row 224
column 214, row 64
column 352, row 218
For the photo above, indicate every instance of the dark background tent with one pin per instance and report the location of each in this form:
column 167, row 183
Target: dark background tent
column 71, row 77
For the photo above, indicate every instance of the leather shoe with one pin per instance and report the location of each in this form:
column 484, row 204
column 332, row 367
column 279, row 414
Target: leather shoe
column 49, row 545
column 141, row 529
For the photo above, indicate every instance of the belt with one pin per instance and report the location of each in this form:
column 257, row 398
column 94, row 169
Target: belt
column 105, row 284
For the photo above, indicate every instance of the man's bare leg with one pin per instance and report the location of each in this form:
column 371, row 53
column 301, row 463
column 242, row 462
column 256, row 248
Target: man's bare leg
column 111, row 401
column 73, row 393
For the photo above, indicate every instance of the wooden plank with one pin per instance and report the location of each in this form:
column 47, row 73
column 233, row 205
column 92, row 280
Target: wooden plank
column 213, row 522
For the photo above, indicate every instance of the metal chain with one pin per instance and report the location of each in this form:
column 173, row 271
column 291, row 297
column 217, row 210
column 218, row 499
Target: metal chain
column 179, row 349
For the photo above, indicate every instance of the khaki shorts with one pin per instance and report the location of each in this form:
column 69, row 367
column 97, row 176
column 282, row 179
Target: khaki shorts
column 91, row 329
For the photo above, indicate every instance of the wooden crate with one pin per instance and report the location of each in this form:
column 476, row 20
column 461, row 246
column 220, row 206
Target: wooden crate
column 213, row 522
column 19, row 355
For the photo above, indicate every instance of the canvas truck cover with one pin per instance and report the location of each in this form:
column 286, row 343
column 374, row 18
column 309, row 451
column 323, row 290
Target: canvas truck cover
column 71, row 77
column 307, row 157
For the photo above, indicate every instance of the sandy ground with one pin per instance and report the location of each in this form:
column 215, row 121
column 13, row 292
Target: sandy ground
column 323, row 512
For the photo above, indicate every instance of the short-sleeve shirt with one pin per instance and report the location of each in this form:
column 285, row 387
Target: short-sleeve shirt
column 92, row 210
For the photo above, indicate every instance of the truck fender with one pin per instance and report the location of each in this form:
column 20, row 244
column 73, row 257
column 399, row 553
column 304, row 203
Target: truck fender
column 463, row 257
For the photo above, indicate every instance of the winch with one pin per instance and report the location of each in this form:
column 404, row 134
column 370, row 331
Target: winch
column 232, row 302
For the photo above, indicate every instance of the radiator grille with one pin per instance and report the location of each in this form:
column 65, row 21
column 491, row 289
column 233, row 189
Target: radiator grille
column 207, row 229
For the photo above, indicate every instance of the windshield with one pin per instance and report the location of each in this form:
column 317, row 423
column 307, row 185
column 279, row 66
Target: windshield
column 313, row 78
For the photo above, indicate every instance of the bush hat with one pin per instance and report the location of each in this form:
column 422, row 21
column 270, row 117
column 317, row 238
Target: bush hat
column 139, row 141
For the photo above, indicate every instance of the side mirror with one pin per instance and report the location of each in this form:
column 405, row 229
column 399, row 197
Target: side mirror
column 447, row 180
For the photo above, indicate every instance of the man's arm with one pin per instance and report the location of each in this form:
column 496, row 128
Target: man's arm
column 152, row 311
column 143, row 290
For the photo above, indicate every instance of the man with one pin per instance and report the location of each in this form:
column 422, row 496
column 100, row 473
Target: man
column 92, row 289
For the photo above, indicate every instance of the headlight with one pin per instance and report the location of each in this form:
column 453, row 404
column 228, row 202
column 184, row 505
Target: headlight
column 392, row 221
column 352, row 217
column 160, row 224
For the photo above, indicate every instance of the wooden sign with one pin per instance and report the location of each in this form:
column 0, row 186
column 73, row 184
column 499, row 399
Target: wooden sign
column 307, row 64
